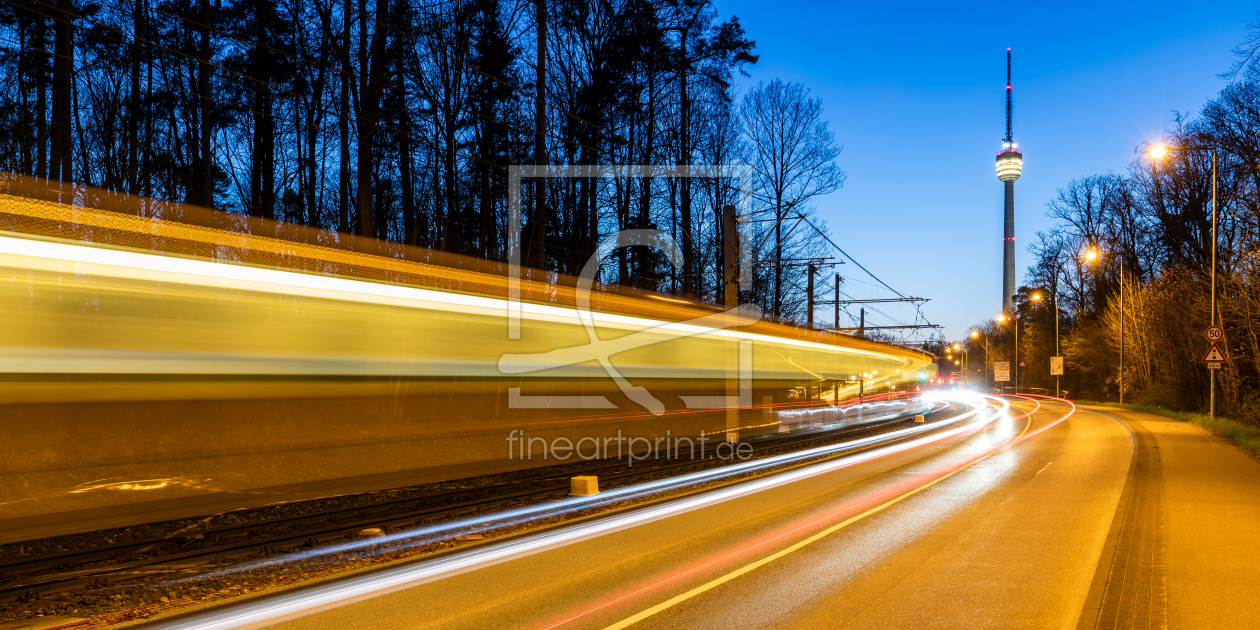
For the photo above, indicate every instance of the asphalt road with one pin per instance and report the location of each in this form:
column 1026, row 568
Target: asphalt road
column 1107, row 519
column 1200, row 523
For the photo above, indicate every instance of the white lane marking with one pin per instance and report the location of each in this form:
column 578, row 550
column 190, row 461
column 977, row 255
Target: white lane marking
column 634, row 619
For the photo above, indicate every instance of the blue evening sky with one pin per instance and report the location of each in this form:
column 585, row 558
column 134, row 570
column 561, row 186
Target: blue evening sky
column 914, row 92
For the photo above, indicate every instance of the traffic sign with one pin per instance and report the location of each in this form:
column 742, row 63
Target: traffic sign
column 1001, row 371
column 1056, row 366
column 1214, row 333
column 1214, row 355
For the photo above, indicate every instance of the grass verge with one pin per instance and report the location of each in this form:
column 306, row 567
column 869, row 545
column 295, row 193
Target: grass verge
column 1238, row 433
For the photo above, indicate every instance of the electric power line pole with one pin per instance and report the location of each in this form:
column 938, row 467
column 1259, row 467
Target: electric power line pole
column 810, row 297
column 837, row 301
column 730, row 285
column 730, row 257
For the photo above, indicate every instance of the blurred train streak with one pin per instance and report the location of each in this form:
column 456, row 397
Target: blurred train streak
column 148, row 355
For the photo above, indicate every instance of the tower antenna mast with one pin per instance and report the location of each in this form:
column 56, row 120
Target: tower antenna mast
column 1008, row 96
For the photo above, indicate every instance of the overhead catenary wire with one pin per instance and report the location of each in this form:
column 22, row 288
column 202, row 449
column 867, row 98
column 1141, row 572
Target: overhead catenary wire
column 918, row 310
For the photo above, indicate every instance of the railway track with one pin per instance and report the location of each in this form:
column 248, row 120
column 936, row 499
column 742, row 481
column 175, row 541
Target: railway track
column 45, row 575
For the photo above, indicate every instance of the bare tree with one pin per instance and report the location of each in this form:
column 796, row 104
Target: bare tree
column 793, row 157
column 1247, row 64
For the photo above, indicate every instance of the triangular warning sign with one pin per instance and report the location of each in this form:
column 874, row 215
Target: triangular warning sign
column 1214, row 355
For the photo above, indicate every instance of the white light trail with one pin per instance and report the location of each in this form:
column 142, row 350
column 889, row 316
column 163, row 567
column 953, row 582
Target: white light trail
column 273, row 610
column 80, row 259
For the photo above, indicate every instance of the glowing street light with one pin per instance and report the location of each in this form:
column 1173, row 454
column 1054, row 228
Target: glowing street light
column 975, row 334
column 1014, row 319
column 1157, row 152
column 1092, row 255
column 1054, row 297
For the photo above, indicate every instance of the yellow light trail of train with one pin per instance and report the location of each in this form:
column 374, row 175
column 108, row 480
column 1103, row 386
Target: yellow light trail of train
column 75, row 307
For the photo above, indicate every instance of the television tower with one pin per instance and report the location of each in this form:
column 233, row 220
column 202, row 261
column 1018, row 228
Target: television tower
column 1010, row 162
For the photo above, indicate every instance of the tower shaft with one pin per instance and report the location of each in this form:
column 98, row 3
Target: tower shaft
column 1008, row 251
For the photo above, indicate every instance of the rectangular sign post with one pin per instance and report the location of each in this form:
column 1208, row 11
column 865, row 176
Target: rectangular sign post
column 1002, row 371
column 1056, row 366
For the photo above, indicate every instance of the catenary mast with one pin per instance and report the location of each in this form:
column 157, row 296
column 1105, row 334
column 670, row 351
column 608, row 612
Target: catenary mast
column 1010, row 163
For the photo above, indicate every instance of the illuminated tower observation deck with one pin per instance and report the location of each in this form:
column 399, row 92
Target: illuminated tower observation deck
column 1010, row 163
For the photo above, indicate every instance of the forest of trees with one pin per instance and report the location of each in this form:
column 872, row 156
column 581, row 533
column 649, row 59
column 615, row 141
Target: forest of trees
column 399, row 121
column 1155, row 220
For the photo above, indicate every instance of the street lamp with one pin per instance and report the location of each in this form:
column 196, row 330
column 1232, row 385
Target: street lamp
column 1091, row 255
column 1054, row 303
column 975, row 334
column 1002, row 317
column 1157, row 152
column 1036, row 297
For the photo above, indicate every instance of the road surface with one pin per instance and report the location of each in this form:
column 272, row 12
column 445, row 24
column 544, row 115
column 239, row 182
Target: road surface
column 1106, row 519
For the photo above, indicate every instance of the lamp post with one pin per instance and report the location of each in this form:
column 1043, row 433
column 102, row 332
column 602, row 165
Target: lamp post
column 1036, row 297
column 1015, row 363
column 975, row 334
column 1054, row 299
column 1091, row 255
column 1156, row 153
column 1015, row 324
column 961, row 362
